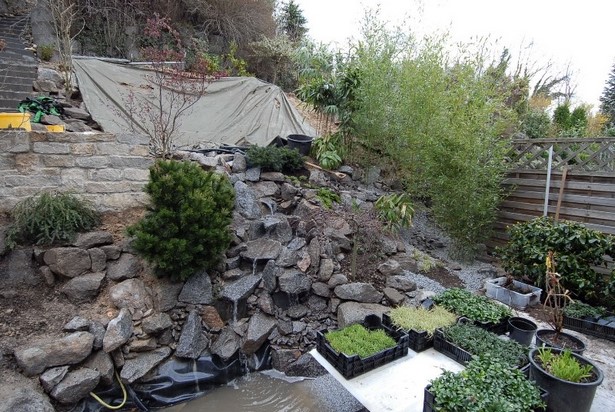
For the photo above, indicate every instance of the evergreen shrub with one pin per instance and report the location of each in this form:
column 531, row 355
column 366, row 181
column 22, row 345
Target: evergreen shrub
column 277, row 159
column 187, row 228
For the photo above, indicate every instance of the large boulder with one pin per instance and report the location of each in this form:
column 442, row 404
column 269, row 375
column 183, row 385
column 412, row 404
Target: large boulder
column 83, row 288
column 22, row 397
column 69, row 350
column 52, row 376
column 262, row 249
column 246, row 202
column 390, row 267
column 140, row 365
column 68, row 261
column 76, row 385
column 259, row 328
column 358, row 291
column 355, row 312
column 18, row 268
column 401, row 282
column 227, row 343
column 101, row 362
column 197, row 290
column 119, row 331
column 192, row 341
column 93, row 239
column 127, row 266
column 156, row 323
column 131, row 293
column 294, row 283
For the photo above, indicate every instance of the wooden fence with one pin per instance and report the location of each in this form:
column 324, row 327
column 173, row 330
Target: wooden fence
column 582, row 183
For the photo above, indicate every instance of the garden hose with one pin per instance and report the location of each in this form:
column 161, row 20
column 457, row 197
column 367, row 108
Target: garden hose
column 106, row 405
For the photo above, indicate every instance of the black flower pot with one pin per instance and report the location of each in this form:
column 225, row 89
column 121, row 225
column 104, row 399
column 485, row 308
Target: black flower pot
column 565, row 396
column 522, row 330
column 543, row 339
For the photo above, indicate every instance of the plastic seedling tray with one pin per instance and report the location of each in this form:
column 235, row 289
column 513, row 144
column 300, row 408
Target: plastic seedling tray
column 417, row 341
column 496, row 290
column 450, row 349
column 591, row 327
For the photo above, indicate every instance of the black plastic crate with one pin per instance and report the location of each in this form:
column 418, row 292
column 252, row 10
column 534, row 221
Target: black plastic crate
column 429, row 400
column 450, row 349
column 590, row 327
column 417, row 341
column 352, row 366
column 499, row 328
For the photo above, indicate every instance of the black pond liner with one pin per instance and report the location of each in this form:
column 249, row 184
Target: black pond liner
column 590, row 327
column 177, row 381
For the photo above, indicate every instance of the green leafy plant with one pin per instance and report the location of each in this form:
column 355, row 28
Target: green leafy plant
column 474, row 307
column 564, row 365
column 327, row 197
column 50, row 217
column 580, row 310
column 577, row 248
column 277, row 159
column 478, row 341
column 395, row 210
column 486, row 384
column 45, row 52
column 420, row 319
column 358, row 340
column 326, row 150
column 187, row 227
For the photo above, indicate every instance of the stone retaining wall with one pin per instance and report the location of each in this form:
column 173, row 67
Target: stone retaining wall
column 109, row 170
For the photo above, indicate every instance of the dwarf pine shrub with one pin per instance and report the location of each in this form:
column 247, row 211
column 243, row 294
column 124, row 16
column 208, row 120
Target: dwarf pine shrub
column 187, row 228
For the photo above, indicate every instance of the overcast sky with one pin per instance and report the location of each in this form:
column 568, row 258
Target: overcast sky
column 564, row 31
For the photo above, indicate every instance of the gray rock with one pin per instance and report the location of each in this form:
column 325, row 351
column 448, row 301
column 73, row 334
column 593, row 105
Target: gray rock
column 253, row 174
column 401, row 282
column 393, row 296
column 191, row 341
column 359, row 292
column 262, row 249
column 211, row 318
column 265, row 304
column 306, row 366
column 83, row 288
column 22, row 397
column 113, row 252
column 142, row 345
column 93, row 239
column 282, row 358
column 259, row 328
column 298, row 327
column 119, row 330
column 326, row 269
column 390, row 267
column 77, row 113
column 273, row 176
column 296, row 244
column 98, row 330
column 294, row 283
column 76, row 385
column 241, row 288
column 314, row 252
column 47, row 274
column 77, row 324
column 98, row 258
column 287, row 258
column 239, row 163
column 355, row 312
column 45, row 73
column 69, row 350
column 197, row 290
column 131, row 293
column 317, row 303
column 139, row 366
column 51, row 119
column 424, row 294
column 337, row 279
column 346, row 169
column 232, row 274
column 45, row 86
column 18, row 269
column 127, row 266
column 297, row 311
column 266, row 189
column 157, row 323
column 269, row 276
column 167, row 293
column 321, row 289
column 227, row 343
column 389, row 246
column 76, row 126
column 51, row 377
column 68, row 261
column 101, row 362
column 246, row 202
column 278, row 228
column 288, row 191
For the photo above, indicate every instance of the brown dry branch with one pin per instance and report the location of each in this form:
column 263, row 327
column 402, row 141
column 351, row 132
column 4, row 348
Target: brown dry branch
column 557, row 296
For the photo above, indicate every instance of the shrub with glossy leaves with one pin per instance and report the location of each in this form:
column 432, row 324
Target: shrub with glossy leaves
column 187, row 227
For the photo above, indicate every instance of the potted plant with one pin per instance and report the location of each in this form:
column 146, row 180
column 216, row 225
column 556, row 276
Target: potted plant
column 555, row 302
column 570, row 379
column 486, row 384
column 419, row 323
column 512, row 292
column 460, row 342
column 595, row 321
column 358, row 348
column 480, row 309
column 522, row 330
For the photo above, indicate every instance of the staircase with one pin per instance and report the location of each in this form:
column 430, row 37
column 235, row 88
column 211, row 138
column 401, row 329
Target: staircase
column 18, row 66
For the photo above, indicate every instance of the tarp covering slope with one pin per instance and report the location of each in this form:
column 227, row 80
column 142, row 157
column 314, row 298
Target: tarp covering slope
column 234, row 110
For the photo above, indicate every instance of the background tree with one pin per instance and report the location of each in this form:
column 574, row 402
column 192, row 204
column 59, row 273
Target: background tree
column 607, row 100
column 291, row 21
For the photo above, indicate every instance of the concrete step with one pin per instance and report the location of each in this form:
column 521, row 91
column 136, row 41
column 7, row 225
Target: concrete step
column 24, row 71
column 18, row 56
column 14, row 96
column 16, row 87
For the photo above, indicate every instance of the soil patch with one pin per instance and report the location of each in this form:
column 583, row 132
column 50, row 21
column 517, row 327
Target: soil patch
column 444, row 277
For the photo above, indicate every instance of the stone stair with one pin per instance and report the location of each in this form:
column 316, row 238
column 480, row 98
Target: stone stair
column 18, row 66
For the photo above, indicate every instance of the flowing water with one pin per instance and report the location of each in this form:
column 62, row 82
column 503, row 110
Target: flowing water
column 257, row 392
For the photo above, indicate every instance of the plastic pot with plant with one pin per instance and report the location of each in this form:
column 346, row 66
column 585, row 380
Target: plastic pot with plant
column 486, row 384
column 460, row 342
column 555, row 303
column 484, row 312
column 419, row 323
column 570, row 379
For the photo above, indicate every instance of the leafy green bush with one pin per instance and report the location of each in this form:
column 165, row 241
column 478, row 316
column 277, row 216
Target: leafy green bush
column 326, row 151
column 478, row 341
column 395, row 210
column 50, row 217
column 358, row 340
column 474, row 307
column 45, row 52
column 277, row 159
column 576, row 248
column 187, row 227
column 486, row 384
column 536, row 124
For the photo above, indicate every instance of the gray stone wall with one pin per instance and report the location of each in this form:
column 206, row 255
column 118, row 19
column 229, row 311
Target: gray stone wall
column 109, row 170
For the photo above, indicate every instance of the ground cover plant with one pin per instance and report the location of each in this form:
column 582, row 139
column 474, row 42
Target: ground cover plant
column 474, row 307
column 187, row 226
column 486, row 384
column 478, row 341
column 358, row 340
column 420, row 319
column 564, row 365
column 50, row 217
column 582, row 310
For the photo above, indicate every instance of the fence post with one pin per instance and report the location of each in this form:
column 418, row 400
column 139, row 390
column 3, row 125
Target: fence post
column 548, row 186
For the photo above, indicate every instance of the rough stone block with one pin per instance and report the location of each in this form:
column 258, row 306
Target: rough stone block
column 93, row 162
column 51, row 148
